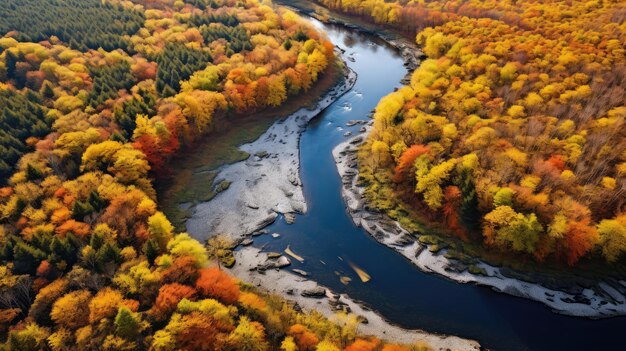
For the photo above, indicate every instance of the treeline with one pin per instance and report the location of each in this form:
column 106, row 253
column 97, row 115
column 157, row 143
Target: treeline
column 229, row 20
column 21, row 118
column 512, row 132
column 177, row 62
column 236, row 37
column 88, row 262
column 107, row 81
column 83, row 24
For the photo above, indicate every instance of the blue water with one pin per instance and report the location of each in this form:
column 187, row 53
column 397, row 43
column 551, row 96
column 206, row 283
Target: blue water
column 398, row 290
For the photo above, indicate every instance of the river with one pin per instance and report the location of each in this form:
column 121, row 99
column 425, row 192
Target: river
column 328, row 240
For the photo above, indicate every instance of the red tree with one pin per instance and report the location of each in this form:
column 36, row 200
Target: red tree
column 215, row 283
column 169, row 297
column 406, row 160
column 305, row 339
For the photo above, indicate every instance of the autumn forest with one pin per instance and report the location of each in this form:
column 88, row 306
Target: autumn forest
column 510, row 138
column 96, row 97
column 512, row 131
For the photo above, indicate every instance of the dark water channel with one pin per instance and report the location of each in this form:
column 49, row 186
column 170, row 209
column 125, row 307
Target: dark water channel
column 326, row 237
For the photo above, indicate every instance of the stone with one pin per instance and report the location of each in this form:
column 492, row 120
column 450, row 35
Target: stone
column 405, row 240
column 282, row 262
column 356, row 140
column 297, row 308
column 362, row 320
column 301, row 272
column 247, row 242
column 273, row 255
column 290, row 218
column 267, row 221
column 293, row 180
column 317, row 292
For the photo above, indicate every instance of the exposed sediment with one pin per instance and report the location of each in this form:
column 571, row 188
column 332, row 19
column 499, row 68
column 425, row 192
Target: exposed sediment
column 267, row 183
column 255, row 267
column 603, row 300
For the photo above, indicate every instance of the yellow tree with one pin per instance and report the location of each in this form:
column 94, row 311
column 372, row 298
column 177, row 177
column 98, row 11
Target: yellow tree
column 69, row 311
column 613, row 237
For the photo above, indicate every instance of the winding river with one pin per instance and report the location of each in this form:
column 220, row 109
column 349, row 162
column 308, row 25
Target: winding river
column 329, row 241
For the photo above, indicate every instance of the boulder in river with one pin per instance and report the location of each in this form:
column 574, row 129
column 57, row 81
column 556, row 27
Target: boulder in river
column 301, row 272
column 345, row 280
column 273, row 255
column 282, row 262
column 247, row 242
column 290, row 218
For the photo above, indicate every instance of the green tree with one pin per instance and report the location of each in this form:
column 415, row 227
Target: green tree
column 127, row 323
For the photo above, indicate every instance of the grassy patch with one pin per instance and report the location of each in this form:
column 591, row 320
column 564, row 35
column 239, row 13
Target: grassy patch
column 261, row 154
column 193, row 172
column 221, row 186
column 476, row 270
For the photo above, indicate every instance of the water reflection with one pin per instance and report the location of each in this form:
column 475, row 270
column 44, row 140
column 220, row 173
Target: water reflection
column 328, row 240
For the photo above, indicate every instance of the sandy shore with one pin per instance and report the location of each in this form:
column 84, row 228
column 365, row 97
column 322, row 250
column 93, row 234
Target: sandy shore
column 267, row 183
column 603, row 300
column 291, row 286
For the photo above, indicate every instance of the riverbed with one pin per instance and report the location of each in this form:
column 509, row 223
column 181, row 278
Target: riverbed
column 326, row 237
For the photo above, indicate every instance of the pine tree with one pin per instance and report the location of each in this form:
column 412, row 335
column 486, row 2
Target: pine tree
column 10, row 61
column 46, row 90
column 151, row 250
column 81, row 209
column 32, row 173
column 26, row 258
column 127, row 323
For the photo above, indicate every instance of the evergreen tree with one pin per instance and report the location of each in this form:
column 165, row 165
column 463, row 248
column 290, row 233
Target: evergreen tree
column 151, row 250
column 127, row 324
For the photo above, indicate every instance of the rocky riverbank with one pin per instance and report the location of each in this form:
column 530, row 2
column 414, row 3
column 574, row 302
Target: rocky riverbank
column 407, row 49
column 599, row 300
column 267, row 183
column 263, row 270
column 604, row 299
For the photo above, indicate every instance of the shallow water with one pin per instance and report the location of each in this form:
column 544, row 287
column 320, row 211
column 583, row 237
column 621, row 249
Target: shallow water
column 328, row 240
